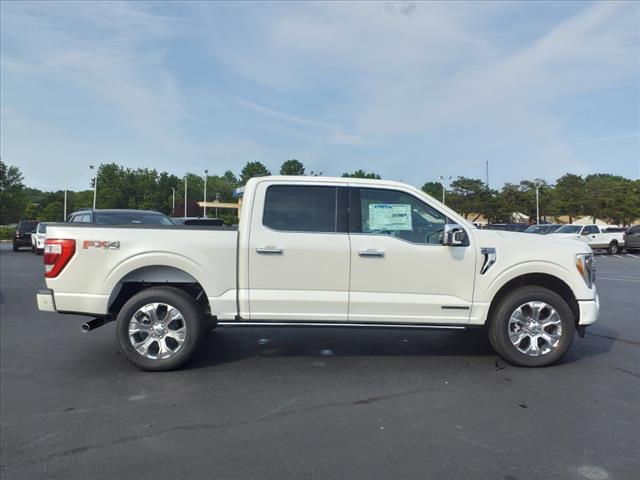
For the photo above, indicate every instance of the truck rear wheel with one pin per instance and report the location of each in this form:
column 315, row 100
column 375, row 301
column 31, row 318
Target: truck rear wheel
column 532, row 327
column 159, row 328
column 613, row 248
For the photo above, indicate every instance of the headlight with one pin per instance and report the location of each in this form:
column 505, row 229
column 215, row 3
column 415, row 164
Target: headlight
column 584, row 264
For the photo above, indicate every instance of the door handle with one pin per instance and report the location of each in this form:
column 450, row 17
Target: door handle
column 370, row 252
column 270, row 250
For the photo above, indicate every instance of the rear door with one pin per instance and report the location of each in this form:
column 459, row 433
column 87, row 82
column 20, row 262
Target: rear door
column 298, row 258
column 400, row 270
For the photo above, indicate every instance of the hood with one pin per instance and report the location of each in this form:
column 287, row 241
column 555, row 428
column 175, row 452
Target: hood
column 562, row 241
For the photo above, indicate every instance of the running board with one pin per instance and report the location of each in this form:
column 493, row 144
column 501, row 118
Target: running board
column 338, row 324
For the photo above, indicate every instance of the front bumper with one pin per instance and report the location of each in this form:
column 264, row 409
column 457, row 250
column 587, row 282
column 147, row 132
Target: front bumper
column 589, row 311
column 46, row 302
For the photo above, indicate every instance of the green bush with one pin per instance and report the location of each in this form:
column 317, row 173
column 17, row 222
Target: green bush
column 6, row 232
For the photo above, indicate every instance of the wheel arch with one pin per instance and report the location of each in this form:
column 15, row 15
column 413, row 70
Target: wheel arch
column 544, row 280
column 148, row 276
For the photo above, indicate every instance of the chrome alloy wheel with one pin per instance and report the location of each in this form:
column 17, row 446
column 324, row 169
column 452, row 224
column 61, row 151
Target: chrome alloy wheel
column 535, row 328
column 157, row 331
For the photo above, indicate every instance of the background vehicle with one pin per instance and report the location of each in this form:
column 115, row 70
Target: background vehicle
column 22, row 235
column 632, row 240
column 508, row 227
column 120, row 217
column 543, row 228
column 212, row 222
column 38, row 238
column 322, row 251
column 594, row 236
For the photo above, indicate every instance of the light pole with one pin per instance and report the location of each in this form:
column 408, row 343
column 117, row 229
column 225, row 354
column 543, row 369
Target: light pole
column 66, row 187
column 206, row 172
column 537, row 185
column 443, row 182
column 217, row 201
column 95, row 187
column 185, row 197
column 173, row 201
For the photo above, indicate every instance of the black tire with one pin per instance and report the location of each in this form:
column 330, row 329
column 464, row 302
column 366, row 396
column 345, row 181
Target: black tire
column 499, row 326
column 613, row 248
column 39, row 251
column 192, row 317
column 15, row 247
column 33, row 249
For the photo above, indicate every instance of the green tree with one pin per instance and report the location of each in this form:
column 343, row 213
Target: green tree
column 361, row 174
column 230, row 178
column 433, row 189
column 611, row 197
column 253, row 169
column 470, row 196
column 32, row 211
column 569, row 196
column 12, row 195
column 53, row 212
column 114, row 187
column 510, row 199
column 292, row 167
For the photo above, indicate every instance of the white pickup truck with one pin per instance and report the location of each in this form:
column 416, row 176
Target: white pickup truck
column 594, row 236
column 318, row 251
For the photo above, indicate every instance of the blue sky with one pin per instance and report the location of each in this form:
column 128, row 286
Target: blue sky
column 409, row 90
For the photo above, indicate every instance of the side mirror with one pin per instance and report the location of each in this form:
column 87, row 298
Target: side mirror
column 585, row 232
column 454, row 235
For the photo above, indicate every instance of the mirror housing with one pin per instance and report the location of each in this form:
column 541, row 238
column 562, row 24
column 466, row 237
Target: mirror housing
column 584, row 232
column 455, row 235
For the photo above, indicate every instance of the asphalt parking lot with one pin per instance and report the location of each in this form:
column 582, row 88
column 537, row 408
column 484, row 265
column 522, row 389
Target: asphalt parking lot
column 319, row 403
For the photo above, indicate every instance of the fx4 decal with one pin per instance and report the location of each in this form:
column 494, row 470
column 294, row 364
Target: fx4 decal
column 103, row 244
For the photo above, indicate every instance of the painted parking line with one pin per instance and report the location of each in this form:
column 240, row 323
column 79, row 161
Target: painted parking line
column 634, row 256
column 618, row 256
column 619, row 279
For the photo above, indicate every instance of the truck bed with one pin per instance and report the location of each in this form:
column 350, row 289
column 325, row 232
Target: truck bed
column 147, row 253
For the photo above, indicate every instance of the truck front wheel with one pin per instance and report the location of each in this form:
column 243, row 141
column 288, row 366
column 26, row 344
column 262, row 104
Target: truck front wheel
column 159, row 328
column 613, row 248
column 532, row 327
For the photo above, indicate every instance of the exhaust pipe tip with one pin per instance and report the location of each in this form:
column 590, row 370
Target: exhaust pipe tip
column 93, row 324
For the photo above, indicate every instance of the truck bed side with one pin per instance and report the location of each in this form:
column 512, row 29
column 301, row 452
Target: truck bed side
column 107, row 257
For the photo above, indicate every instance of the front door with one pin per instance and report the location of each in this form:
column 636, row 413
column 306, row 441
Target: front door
column 400, row 271
column 299, row 253
column 591, row 235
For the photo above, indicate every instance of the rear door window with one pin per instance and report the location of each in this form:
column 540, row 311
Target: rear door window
column 301, row 208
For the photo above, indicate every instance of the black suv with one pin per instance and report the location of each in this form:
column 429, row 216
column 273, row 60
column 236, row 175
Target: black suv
column 22, row 237
column 120, row 217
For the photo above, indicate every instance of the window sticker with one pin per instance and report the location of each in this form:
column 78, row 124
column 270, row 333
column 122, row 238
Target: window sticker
column 386, row 216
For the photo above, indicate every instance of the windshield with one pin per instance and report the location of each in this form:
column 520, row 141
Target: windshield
column 569, row 229
column 535, row 229
column 128, row 218
column 27, row 226
column 42, row 228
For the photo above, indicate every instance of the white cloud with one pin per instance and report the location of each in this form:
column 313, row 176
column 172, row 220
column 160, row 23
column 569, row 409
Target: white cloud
column 419, row 69
column 101, row 48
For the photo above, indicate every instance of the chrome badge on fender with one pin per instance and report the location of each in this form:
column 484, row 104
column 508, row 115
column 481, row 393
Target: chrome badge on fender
column 103, row 244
